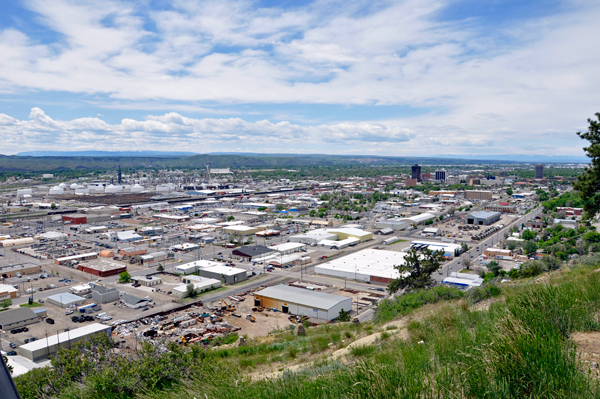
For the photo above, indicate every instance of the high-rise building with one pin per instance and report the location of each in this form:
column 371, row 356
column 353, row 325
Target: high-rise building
column 416, row 172
column 440, row 175
column 539, row 171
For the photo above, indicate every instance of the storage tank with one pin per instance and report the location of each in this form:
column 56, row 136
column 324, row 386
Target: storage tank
column 57, row 190
column 137, row 188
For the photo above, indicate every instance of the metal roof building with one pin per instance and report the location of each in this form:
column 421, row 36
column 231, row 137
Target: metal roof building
column 19, row 317
column 482, row 218
column 42, row 348
column 301, row 301
column 65, row 300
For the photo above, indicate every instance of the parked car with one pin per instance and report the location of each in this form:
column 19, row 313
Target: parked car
column 12, row 353
column 68, row 312
column 12, row 345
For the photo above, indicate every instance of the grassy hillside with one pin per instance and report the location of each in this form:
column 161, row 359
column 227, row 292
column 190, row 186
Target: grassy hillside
column 438, row 344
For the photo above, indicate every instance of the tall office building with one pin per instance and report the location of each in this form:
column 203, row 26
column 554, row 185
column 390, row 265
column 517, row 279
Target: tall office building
column 539, row 171
column 416, row 172
column 440, row 175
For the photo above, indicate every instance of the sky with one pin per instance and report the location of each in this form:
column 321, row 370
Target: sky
column 352, row 77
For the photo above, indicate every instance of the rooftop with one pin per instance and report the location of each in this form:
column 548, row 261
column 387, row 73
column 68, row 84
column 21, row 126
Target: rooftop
column 313, row 299
column 53, row 339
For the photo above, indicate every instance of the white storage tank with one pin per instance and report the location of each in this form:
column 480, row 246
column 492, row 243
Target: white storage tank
column 57, row 190
column 137, row 188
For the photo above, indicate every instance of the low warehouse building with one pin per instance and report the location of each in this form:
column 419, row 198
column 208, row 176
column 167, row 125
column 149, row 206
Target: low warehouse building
column 201, row 284
column 289, row 247
column 249, row 252
column 134, row 302
column 77, row 258
column 372, row 265
column 301, row 301
column 345, row 233
column 102, row 267
column 103, row 295
column 13, row 271
column 193, row 267
column 43, row 348
column 8, row 292
column 482, row 218
column 313, row 237
column 228, row 275
column 129, row 252
column 16, row 318
column 148, row 281
column 65, row 300
column 450, row 250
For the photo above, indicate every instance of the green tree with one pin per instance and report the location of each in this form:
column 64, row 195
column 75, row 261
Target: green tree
column 191, row 291
column 467, row 263
column 494, row 268
column 160, row 268
column 530, row 247
column 5, row 303
column 312, row 213
column 509, row 191
column 124, row 277
column 280, row 207
column 528, row 235
column 344, row 316
column 588, row 182
column 53, row 206
column 416, row 271
column 230, row 218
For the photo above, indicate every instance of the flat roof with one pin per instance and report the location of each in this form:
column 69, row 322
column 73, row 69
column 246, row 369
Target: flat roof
column 51, row 340
column 370, row 262
column 74, row 257
column 225, row 270
column 287, row 246
column 103, row 265
column 301, row 296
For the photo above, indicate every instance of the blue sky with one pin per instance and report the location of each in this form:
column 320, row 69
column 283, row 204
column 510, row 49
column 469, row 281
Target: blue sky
column 414, row 77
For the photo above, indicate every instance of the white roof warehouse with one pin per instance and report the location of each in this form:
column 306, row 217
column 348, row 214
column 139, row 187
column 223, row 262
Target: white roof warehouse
column 300, row 301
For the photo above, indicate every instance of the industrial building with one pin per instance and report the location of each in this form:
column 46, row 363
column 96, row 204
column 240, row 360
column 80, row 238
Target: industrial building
column 134, row 302
column 482, row 218
column 312, row 237
column 103, row 295
column 393, row 224
column 16, row 318
column 345, row 233
column 250, row 252
column 102, row 267
column 289, row 247
column 77, row 258
column 450, row 250
column 201, row 284
column 301, row 301
column 129, row 252
column 65, row 300
column 8, row 292
column 147, row 281
column 226, row 274
column 239, row 230
column 478, row 195
column 372, row 265
column 11, row 271
column 193, row 267
column 43, row 348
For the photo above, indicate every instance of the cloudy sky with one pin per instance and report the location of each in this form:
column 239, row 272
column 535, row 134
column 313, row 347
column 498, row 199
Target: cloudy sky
column 405, row 77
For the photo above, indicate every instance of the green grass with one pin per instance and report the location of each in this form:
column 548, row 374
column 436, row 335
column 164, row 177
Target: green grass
column 517, row 348
column 33, row 305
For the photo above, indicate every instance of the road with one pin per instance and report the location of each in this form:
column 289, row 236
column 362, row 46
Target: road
column 479, row 248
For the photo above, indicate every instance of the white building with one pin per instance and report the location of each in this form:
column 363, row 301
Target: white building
column 373, row 265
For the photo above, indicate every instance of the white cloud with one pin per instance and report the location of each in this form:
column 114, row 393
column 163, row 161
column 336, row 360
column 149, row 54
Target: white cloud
column 181, row 133
column 490, row 91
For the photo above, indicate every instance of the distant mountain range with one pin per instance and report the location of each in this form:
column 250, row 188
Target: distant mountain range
column 105, row 154
column 522, row 158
